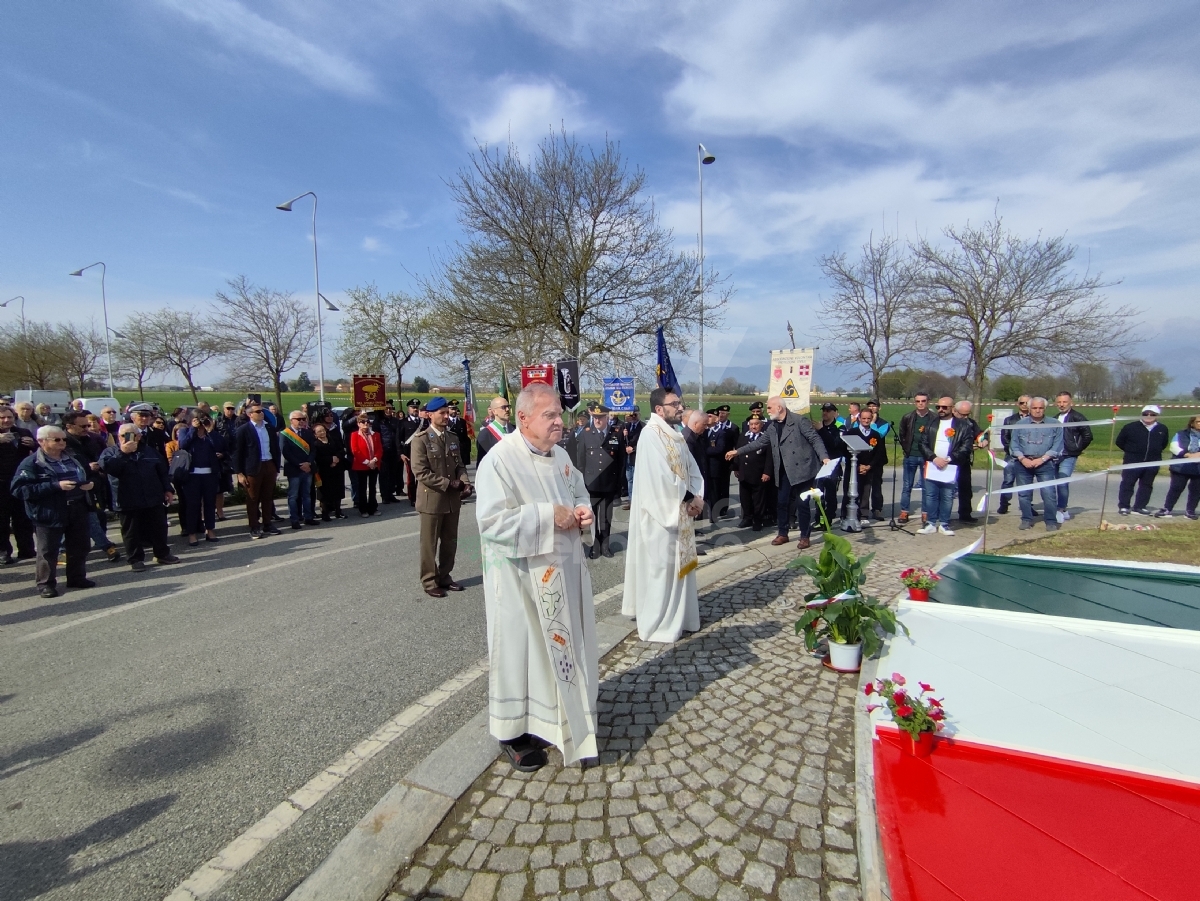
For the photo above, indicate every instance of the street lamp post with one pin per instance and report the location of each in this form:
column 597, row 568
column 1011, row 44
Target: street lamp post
column 287, row 208
column 104, row 304
column 703, row 158
column 24, row 339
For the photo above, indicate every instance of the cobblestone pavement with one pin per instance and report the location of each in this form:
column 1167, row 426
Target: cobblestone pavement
column 726, row 771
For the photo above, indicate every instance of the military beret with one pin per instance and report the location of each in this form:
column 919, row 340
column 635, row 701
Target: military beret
column 712, row 412
column 724, row 408
column 757, row 405
column 755, row 417
column 436, row 403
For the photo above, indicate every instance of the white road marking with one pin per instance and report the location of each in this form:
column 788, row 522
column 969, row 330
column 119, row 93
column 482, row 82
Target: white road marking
column 240, row 573
column 233, row 857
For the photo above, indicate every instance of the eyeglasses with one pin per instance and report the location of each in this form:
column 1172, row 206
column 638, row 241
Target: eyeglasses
column 252, row 412
column 56, row 440
column 299, row 419
column 1151, row 415
column 504, row 407
column 674, row 403
column 942, row 407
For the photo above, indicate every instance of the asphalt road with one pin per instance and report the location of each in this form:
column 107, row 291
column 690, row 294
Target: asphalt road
column 137, row 742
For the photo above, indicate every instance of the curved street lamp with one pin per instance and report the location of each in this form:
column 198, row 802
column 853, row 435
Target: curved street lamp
column 24, row 339
column 287, row 208
column 104, row 304
column 703, row 158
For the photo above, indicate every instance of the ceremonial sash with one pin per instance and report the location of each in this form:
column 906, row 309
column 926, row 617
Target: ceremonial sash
column 688, row 558
column 303, row 445
column 491, row 426
column 556, row 622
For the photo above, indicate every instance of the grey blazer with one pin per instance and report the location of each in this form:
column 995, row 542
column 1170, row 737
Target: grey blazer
column 799, row 449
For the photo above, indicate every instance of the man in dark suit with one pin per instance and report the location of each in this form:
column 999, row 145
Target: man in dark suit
column 386, row 424
column 831, row 437
column 962, row 410
column 753, row 472
column 870, row 466
column 256, row 459
column 798, row 453
column 500, row 425
column 297, row 447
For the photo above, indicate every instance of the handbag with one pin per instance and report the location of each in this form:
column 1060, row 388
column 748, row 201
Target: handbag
column 180, row 468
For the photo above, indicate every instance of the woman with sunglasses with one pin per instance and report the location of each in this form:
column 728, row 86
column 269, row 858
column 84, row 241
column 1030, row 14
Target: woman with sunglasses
column 1185, row 446
column 366, row 451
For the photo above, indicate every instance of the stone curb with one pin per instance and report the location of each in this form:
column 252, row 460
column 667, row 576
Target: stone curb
column 363, row 864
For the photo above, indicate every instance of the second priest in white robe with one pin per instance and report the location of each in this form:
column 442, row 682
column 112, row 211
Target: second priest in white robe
column 660, row 562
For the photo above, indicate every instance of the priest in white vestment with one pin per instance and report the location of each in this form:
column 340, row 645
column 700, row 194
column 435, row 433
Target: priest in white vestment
column 534, row 516
column 660, row 561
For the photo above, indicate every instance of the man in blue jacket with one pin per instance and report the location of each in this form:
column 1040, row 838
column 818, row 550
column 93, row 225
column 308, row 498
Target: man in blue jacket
column 299, row 465
column 143, row 492
column 1140, row 442
column 53, row 487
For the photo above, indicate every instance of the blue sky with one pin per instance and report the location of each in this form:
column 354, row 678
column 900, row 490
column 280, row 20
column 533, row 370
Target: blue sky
column 158, row 135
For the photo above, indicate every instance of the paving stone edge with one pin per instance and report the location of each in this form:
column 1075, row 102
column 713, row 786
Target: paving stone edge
column 362, row 865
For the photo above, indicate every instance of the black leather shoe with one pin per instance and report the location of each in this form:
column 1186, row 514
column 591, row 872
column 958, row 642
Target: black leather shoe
column 49, row 592
column 170, row 559
column 312, row 522
column 296, row 525
column 436, row 592
column 138, row 566
column 453, row 586
column 86, row 583
column 271, row 530
column 7, row 560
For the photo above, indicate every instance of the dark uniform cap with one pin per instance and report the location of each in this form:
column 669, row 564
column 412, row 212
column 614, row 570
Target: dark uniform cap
column 757, row 405
column 828, row 407
column 600, row 408
column 724, row 408
column 591, row 406
column 453, row 402
column 636, row 409
column 754, row 417
column 712, row 412
column 414, row 404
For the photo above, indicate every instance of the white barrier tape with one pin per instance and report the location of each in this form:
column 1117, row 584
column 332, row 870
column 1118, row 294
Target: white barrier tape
column 1049, row 483
column 1062, row 425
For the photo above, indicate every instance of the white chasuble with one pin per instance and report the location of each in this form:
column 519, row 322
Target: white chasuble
column 660, row 561
column 541, row 623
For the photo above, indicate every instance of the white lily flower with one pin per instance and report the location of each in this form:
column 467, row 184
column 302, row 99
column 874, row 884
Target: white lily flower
column 810, row 493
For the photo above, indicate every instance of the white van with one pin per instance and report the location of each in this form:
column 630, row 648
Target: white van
column 58, row 401
column 96, row 404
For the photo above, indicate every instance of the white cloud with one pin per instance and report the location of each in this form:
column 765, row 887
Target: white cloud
column 240, row 29
column 523, row 112
column 372, row 245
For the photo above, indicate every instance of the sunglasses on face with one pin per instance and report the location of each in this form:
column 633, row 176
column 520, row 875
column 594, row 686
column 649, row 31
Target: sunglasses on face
column 942, row 407
column 56, row 440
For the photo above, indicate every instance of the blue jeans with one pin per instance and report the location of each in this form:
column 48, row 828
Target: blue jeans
column 629, row 479
column 1043, row 473
column 938, row 502
column 97, row 531
column 300, row 499
column 914, row 474
column 1066, row 466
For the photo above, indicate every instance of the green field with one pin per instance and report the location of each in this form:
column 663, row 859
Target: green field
column 1097, row 456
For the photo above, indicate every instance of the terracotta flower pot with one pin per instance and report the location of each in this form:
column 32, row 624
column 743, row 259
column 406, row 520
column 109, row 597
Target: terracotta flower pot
column 921, row 746
column 918, row 594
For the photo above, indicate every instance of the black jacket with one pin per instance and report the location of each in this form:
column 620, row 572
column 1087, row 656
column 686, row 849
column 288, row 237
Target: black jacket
column 487, row 439
column 600, row 456
column 1006, row 434
column 696, row 446
column 12, row 453
column 247, row 455
column 909, row 432
column 142, row 480
column 831, row 437
column 1140, row 444
column 962, row 443
column 631, row 432
column 293, row 455
column 753, row 465
column 1076, row 440
column 459, row 428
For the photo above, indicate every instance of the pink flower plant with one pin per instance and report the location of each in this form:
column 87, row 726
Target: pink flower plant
column 913, row 714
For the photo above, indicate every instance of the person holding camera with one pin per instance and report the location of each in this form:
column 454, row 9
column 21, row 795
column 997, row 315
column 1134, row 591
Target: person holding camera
column 437, row 462
column 143, row 492
column 201, row 485
column 54, row 488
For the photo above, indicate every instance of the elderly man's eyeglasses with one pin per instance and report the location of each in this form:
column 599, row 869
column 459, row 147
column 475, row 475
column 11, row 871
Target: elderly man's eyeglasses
column 299, row 419
column 56, row 440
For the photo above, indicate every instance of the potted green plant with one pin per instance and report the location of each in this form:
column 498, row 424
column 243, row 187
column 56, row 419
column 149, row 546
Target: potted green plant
column 838, row 610
column 920, row 716
column 919, row 582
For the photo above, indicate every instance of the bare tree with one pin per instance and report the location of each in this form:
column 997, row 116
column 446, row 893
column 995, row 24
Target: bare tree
column 1138, row 382
column 1093, row 381
column 79, row 349
column 184, row 342
column 565, row 256
column 43, row 357
column 989, row 296
column 867, row 315
column 382, row 329
column 136, row 353
column 267, row 333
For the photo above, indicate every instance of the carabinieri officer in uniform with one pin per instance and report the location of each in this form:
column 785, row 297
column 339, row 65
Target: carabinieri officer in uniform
column 600, row 456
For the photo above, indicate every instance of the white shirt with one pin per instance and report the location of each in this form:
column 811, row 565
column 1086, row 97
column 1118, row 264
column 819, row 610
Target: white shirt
column 264, row 439
column 941, row 445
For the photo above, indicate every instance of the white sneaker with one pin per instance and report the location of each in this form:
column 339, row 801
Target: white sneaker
column 1065, row 515
column 1061, row 517
column 927, row 529
column 942, row 530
